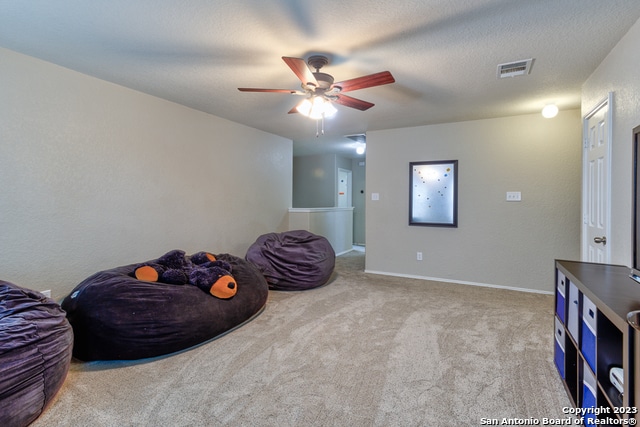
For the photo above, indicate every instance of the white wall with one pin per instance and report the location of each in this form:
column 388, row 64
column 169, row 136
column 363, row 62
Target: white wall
column 618, row 73
column 510, row 244
column 95, row 175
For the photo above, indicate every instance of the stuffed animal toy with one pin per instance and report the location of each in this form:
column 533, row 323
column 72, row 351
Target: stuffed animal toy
column 201, row 270
column 214, row 278
column 202, row 257
column 169, row 268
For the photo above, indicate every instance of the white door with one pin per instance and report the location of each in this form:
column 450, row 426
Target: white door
column 596, row 175
column 344, row 188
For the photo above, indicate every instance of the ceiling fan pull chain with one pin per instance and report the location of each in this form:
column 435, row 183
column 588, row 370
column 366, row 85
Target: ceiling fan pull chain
column 320, row 126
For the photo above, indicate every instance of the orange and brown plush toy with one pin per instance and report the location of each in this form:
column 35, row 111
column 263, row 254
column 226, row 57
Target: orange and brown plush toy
column 201, row 270
column 212, row 276
column 215, row 279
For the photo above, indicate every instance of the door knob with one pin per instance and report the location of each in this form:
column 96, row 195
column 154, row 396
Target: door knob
column 602, row 240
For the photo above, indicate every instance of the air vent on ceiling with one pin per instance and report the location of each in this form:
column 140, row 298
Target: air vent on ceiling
column 359, row 137
column 517, row 68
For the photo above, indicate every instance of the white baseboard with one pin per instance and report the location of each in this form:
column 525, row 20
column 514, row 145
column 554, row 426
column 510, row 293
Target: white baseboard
column 344, row 252
column 460, row 282
column 354, row 248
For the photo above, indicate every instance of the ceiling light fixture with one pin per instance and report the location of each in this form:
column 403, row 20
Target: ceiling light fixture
column 360, row 148
column 550, row 111
column 317, row 108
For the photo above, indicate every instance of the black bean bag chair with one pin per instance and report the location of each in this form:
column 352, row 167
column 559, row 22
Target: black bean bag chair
column 35, row 353
column 293, row 260
column 115, row 316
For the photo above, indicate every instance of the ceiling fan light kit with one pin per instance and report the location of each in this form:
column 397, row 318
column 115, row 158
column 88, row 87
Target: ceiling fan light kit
column 316, row 108
column 321, row 91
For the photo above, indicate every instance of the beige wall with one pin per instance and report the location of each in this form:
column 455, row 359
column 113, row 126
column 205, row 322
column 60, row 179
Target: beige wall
column 618, row 73
column 95, row 175
column 314, row 181
column 359, row 200
column 510, row 244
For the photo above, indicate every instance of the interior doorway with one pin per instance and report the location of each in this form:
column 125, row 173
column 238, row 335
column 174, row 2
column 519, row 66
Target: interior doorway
column 344, row 188
column 596, row 184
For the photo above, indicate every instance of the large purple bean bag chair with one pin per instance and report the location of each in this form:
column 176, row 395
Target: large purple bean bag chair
column 35, row 353
column 293, row 260
column 116, row 316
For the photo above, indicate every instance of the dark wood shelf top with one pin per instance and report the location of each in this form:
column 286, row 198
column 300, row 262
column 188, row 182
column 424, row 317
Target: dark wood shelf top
column 608, row 286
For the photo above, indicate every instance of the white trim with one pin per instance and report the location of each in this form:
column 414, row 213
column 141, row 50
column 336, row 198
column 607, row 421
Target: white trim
column 310, row 210
column 353, row 249
column 344, row 252
column 461, row 282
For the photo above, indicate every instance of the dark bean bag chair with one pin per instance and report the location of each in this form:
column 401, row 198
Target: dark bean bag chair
column 35, row 353
column 293, row 260
column 118, row 317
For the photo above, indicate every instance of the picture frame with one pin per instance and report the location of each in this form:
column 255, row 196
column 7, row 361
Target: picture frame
column 433, row 193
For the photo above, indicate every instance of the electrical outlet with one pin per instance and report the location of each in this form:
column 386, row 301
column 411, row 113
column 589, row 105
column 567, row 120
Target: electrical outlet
column 514, row 196
column 46, row 293
column 419, row 256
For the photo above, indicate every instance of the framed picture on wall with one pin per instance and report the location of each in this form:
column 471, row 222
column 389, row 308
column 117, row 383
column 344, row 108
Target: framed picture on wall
column 433, row 193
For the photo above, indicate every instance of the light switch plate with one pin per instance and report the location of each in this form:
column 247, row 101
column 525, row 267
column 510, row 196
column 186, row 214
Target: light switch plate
column 514, row 196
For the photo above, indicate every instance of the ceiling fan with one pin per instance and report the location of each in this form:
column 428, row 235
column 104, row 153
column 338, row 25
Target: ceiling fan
column 320, row 89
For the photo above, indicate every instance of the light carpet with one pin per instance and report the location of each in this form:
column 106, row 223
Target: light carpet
column 364, row 350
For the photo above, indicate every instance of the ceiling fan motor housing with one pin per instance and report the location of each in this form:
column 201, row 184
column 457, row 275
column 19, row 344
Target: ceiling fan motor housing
column 324, row 80
column 317, row 61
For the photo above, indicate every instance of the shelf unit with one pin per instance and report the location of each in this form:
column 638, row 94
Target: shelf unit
column 592, row 336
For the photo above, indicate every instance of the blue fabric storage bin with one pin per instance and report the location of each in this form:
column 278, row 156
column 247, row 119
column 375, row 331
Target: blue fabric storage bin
column 589, row 396
column 560, row 296
column 589, row 332
column 558, row 355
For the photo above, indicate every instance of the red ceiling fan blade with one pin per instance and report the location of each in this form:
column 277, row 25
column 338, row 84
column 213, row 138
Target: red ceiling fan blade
column 356, row 103
column 293, row 110
column 253, row 89
column 377, row 79
column 301, row 70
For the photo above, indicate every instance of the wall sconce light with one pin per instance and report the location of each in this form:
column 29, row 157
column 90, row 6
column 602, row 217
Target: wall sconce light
column 549, row 111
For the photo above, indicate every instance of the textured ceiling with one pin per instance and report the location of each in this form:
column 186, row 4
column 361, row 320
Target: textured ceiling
column 442, row 53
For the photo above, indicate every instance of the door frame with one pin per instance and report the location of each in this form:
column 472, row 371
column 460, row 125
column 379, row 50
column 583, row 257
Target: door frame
column 606, row 102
